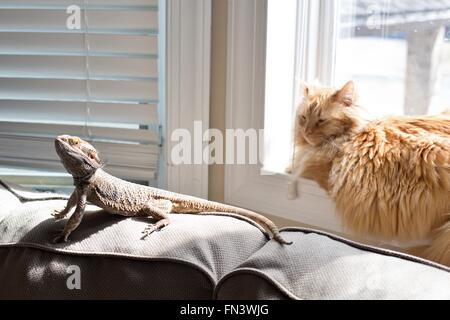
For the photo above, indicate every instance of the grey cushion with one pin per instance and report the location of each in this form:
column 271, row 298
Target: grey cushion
column 196, row 257
column 183, row 261
column 322, row 266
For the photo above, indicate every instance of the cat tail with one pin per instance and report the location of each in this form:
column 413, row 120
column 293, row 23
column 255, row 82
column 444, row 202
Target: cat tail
column 439, row 249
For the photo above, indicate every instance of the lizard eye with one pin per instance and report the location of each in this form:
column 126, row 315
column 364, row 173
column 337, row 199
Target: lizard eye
column 93, row 156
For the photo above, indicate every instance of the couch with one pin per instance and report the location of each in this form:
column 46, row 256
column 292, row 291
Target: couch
column 195, row 257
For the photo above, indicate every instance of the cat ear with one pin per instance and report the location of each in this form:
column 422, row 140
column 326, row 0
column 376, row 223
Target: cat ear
column 305, row 89
column 346, row 94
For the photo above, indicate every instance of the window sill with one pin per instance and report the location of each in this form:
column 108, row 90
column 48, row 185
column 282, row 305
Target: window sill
column 246, row 187
column 38, row 179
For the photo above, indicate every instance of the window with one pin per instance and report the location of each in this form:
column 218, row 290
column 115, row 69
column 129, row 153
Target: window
column 100, row 80
column 304, row 52
column 396, row 51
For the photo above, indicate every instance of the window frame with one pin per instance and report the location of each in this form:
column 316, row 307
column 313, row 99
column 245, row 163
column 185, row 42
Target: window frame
column 246, row 185
column 317, row 35
column 188, row 47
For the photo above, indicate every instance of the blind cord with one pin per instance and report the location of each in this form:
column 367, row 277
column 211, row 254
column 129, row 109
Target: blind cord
column 87, row 49
column 292, row 193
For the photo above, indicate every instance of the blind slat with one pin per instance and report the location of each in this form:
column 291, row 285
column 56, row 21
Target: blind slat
column 130, row 32
column 88, row 6
column 75, row 90
column 74, row 68
column 96, row 132
column 124, row 172
column 138, row 4
column 146, row 156
column 98, row 21
column 73, row 44
column 39, row 111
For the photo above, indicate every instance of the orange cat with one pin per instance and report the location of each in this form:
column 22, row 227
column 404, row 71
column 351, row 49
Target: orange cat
column 389, row 178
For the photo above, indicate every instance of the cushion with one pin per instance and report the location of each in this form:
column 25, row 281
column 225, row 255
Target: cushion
column 323, row 266
column 195, row 257
column 183, row 261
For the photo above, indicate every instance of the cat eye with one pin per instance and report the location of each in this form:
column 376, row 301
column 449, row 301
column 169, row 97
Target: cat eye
column 320, row 121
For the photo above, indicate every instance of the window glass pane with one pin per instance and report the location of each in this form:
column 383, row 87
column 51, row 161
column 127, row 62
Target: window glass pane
column 398, row 53
column 279, row 83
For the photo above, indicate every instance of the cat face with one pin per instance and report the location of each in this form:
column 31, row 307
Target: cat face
column 324, row 114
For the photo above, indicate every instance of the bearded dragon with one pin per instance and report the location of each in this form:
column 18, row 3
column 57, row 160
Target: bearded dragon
column 116, row 196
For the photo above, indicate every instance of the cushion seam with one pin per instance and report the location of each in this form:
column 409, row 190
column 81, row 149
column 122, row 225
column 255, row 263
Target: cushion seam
column 203, row 271
column 259, row 273
column 365, row 247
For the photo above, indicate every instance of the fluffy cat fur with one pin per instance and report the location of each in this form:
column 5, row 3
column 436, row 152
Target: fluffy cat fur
column 389, row 178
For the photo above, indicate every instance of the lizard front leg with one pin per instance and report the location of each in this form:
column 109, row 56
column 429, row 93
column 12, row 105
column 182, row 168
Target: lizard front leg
column 159, row 210
column 76, row 217
column 58, row 215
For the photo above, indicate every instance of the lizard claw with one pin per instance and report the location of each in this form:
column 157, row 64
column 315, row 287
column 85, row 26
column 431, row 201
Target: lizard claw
column 60, row 238
column 154, row 227
column 58, row 215
column 148, row 231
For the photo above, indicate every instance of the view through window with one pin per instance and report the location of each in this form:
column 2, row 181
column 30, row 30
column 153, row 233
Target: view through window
column 397, row 52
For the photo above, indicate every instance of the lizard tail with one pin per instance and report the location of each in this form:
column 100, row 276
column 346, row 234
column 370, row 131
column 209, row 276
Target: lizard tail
column 212, row 208
column 266, row 223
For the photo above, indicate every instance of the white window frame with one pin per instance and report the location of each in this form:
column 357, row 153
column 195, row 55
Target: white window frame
column 317, row 29
column 188, row 33
column 244, row 184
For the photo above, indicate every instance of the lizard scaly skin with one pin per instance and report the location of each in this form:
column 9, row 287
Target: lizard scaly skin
column 116, row 196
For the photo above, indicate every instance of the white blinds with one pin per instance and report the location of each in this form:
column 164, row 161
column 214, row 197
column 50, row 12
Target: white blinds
column 100, row 82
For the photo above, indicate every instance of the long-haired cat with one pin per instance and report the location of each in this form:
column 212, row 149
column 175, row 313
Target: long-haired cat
column 389, row 178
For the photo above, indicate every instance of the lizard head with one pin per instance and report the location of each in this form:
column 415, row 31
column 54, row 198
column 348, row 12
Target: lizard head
column 79, row 157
